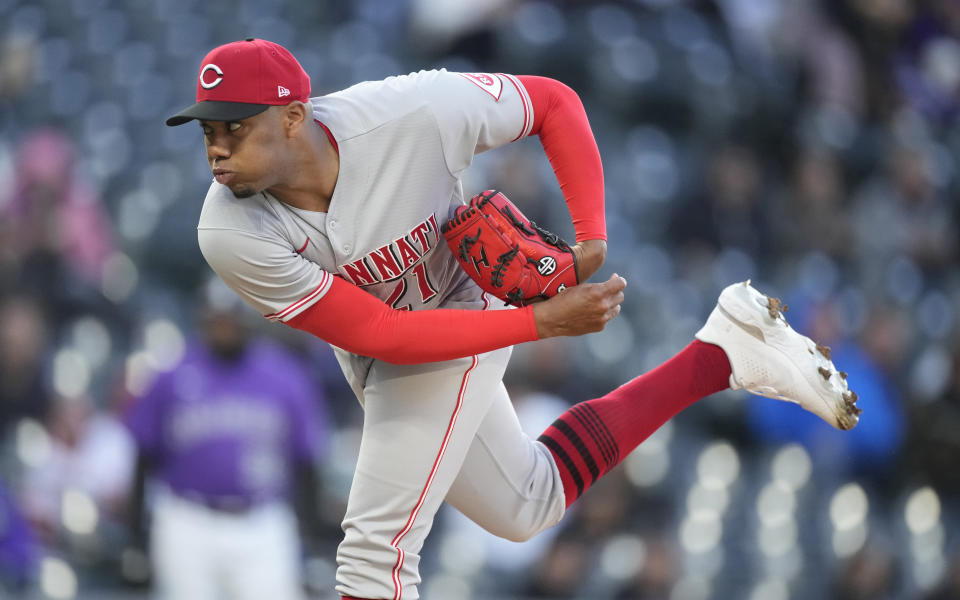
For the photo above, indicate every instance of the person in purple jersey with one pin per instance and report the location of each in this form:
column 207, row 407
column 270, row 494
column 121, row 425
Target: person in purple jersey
column 232, row 436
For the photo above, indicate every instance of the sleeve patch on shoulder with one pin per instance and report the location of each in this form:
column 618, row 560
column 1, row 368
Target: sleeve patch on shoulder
column 491, row 84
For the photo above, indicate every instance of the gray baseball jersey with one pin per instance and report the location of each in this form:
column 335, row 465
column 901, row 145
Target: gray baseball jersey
column 429, row 430
column 403, row 143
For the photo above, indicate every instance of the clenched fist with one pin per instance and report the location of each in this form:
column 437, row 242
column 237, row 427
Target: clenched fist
column 581, row 309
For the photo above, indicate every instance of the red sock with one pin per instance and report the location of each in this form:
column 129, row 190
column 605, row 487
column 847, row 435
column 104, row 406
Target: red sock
column 590, row 439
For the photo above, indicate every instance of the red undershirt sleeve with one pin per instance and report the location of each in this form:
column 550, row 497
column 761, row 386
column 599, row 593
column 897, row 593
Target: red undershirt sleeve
column 358, row 322
column 561, row 122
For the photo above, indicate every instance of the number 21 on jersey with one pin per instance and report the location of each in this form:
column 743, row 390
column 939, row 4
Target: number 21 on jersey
column 427, row 291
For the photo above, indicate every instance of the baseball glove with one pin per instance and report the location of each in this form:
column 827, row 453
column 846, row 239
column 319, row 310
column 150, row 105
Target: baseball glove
column 507, row 254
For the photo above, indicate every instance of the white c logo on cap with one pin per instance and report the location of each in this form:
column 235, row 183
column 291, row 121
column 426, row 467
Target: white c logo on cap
column 215, row 82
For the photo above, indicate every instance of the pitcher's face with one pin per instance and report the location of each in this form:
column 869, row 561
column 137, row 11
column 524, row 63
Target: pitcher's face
column 242, row 154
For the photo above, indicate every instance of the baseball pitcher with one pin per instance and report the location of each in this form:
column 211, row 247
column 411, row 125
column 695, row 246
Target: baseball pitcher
column 344, row 216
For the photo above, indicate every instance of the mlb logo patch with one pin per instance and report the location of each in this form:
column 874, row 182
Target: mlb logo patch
column 487, row 82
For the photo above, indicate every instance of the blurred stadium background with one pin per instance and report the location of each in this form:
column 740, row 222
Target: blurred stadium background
column 810, row 146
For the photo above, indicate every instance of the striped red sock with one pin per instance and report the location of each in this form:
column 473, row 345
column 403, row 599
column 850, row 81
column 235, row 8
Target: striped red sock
column 593, row 436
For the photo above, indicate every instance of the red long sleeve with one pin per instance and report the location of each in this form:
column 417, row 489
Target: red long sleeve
column 358, row 322
column 561, row 122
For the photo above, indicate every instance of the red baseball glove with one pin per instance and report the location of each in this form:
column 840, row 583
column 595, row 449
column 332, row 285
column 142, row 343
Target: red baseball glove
column 507, row 254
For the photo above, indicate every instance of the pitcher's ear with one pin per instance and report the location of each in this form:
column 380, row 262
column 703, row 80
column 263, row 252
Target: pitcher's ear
column 295, row 115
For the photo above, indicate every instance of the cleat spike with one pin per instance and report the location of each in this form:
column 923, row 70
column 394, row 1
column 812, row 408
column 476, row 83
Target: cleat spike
column 843, row 374
column 773, row 307
column 824, row 350
column 825, row 373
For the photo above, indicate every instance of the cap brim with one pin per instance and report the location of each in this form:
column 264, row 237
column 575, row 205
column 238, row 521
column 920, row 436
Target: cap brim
column 214, row 110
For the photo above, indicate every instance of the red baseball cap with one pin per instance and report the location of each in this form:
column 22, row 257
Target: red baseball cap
column 245, row 78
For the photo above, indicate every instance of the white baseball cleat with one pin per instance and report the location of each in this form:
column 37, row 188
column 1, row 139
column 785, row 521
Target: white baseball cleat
column 769, row 358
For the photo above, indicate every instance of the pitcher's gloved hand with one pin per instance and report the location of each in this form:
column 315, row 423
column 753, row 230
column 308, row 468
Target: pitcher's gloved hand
column 508, row 255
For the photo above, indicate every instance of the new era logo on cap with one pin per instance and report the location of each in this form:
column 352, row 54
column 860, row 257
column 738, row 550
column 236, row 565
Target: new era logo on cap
column 240, row 79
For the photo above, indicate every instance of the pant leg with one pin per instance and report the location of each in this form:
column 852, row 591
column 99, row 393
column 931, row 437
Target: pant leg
column 182, row 550
column 260, row 554
column 419, row 424
column 509, row 483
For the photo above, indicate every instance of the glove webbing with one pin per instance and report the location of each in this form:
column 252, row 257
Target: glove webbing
column 517, row 222
column 550, row 237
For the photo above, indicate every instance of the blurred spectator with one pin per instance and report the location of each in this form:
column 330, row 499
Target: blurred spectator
column 877, row 28
column 903, row 213
column 729, row 211
column 19, row 553
column 934, row 451
column 562, row 571
column 605, row 510
column 813, row 212
column 545, row 378
column 23, row 348
column 657, row 575
column 783, row 35
column 18, row 63
column 870, row 574
column 232, row 435
column 927, row 65
column 570, row 566
column 55, row 235
column 949, row 589
column 88, row 464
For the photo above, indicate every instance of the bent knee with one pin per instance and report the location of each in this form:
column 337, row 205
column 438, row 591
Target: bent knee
column 517, row 530
column 516, row 534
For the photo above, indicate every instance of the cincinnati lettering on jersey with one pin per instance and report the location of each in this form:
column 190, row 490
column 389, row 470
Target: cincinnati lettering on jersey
column 393, row 260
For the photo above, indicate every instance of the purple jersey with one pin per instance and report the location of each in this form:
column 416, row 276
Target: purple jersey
column 221, row 429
